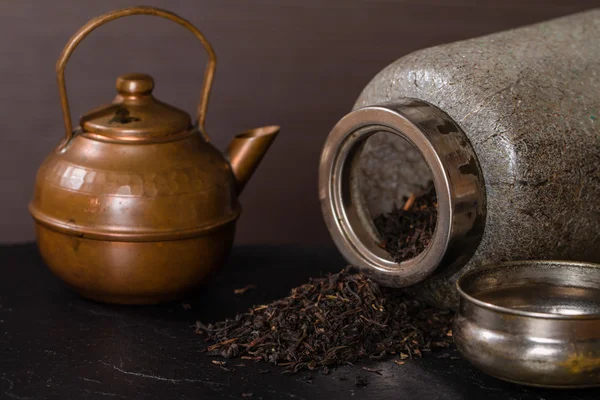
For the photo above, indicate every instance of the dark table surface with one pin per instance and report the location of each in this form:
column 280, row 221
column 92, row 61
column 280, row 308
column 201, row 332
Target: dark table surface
column 56, row 345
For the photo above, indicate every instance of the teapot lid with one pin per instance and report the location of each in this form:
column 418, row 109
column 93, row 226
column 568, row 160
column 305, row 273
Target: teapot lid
column 135, row 115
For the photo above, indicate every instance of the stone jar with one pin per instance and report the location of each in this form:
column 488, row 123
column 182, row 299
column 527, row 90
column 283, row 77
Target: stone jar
column 507, row 126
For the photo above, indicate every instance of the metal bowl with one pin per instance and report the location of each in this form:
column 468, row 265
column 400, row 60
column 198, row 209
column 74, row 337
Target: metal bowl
column 535, row 323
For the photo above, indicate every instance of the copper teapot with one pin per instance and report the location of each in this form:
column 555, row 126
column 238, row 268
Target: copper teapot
column 136, row 206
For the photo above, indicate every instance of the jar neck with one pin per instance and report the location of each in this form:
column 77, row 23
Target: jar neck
column 447, row 158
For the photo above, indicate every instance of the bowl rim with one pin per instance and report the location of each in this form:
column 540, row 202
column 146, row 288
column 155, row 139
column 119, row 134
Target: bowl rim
column 464, row 296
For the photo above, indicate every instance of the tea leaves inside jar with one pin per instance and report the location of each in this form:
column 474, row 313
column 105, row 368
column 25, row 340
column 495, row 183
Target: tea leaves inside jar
column 406, row 231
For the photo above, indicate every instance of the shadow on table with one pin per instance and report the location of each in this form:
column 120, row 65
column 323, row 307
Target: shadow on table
column 267, row 272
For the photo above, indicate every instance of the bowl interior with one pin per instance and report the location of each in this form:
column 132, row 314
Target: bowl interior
column 541, row 287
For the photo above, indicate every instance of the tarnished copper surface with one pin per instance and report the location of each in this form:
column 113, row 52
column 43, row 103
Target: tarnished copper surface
column 136, row 206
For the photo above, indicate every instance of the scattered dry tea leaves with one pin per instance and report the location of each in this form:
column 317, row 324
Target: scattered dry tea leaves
column 221, row 365
column 243, row 290
column 375, row 371
column 331, row 321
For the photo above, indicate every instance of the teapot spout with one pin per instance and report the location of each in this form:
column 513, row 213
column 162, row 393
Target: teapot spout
column 247, row 149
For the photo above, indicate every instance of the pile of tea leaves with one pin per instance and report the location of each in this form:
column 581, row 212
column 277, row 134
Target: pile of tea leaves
column 406, row 231
column 332, row 321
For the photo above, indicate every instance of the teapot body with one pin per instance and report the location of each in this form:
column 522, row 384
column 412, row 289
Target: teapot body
column 135, row 223
column 518, row 114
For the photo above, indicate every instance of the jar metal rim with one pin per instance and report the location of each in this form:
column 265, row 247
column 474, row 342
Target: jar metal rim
column 444, row 154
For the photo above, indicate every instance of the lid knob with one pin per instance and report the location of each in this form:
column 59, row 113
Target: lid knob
column 135, row 84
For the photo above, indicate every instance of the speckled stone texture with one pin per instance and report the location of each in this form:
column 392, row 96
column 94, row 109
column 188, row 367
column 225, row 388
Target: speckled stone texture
column 529, row 101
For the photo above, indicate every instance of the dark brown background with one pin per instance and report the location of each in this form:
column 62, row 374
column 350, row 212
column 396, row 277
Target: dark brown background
column 297, row 63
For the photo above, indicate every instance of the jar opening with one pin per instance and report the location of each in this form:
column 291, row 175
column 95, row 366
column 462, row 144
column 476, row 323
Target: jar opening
column 395, row 195
column 377, row 155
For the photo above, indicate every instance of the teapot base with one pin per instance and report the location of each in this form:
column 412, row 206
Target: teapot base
column 121, row 272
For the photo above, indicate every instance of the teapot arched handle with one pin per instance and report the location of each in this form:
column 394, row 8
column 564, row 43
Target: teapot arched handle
column 94, row 23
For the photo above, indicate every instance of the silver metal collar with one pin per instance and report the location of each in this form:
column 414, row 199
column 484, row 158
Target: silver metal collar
column 456, row 175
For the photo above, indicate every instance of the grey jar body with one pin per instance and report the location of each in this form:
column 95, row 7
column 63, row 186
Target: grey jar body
column 528, row 100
